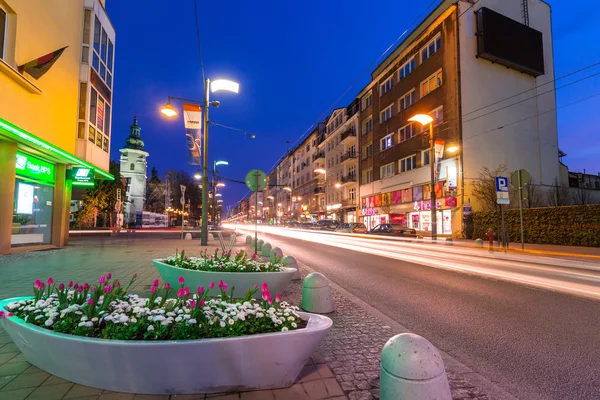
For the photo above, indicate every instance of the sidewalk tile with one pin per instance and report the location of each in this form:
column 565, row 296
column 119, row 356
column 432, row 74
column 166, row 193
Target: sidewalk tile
column 26, row 380
column 82, row 391
column 8, row 348
column 5, row 379
column 116, row 396
column 19, row 394
column 32, row 370
column 308, row 373
column 295, row 392
column 333, row 387
column 316, row 390
column 231, row 396
column 52, row 392
column 188, row 397
column 150, row 397
column 5, row 357
column 324, row 371
column 54, row 380
column 13, row 369
column 18, row 358
column 258, row 395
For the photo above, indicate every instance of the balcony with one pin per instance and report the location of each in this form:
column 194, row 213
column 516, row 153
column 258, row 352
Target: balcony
column 348, row 179
column 318, row 156
column 347, row 136
column 348, row 156
column 349, row 203
column 319, row 190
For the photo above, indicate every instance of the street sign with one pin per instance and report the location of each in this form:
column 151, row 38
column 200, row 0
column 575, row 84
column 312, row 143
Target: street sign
column 502, row 196
column 467, row 210
column 182, row 187
column 182, row 200
column 525, row 178
column 520, row 179
column 256, row 180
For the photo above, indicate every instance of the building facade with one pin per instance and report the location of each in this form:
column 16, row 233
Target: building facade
column 133, row 167
column 39, row 157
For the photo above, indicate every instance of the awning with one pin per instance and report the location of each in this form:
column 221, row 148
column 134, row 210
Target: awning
column 36, row 146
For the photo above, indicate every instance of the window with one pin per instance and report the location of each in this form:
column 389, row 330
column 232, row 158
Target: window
column 97, row 29
column 386, row 86
column 408, row 163
column 367, row 151
column 386, row 114
column 406, row 132
column 93, row 106
column 367, row 126
column 386, row 142
column 430, row 48
column 386, row 171
column 352, row 194
column 425, row 157
column 367, row 176
column 307, row 147
column 132, row 167
column 367, row 100
column 109, row 62
column 82, row 99
column 87, row 22
column 437, row 115
column 3, row 23
column 431, row 83
column 406, row 100
column 406, row 68
column 106, row 119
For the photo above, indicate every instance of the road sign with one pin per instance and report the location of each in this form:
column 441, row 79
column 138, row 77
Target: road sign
column 467, row 210
column 525, row 178
column 502, row 196
column 256, row 180
column 182, row 200
column 182, row 187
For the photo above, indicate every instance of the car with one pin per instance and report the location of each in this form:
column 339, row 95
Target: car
column 306, row 225
column 326, row 225
column 291, row 224
column 396, row 230
column 352, row 227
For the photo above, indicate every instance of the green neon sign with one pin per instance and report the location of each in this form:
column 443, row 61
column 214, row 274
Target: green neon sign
column 32, row 167
column 82, row 176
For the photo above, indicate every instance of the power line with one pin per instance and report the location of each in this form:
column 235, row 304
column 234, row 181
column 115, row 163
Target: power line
column 245, row 132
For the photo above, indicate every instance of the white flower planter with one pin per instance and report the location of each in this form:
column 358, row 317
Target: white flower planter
column 242, row 281
column 263, row 361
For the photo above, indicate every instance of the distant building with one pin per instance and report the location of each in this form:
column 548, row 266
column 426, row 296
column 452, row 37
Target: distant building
column 133, row 168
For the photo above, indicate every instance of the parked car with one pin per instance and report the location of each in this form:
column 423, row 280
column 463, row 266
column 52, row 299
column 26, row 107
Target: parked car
column 306, row 225
column 352, row 227
column 326, row 225
column 291, row 224
column 396, row 230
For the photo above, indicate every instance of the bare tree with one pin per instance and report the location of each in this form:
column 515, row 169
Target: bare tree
column 558, row 195
column 581, row 196
column 484, row 187
column 534, row 196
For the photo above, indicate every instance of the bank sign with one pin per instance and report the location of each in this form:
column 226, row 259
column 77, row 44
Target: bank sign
column 82, row 176
column 28, row 166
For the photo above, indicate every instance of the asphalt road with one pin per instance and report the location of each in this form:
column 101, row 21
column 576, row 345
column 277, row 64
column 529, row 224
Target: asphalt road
column 534, row 343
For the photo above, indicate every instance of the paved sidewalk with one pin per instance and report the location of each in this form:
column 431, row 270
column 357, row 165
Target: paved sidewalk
column 86, row 260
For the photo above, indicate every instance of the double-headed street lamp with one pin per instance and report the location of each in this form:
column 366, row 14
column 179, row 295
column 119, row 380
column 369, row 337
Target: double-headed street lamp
column 169, row 111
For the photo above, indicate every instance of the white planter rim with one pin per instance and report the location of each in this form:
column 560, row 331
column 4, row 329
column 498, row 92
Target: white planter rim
column 315, row 322
column 284, row 269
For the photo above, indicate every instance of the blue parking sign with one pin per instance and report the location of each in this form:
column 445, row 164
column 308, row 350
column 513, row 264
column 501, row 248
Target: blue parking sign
column 501, row 184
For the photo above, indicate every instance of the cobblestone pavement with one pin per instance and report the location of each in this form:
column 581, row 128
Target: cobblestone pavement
column 86, row 260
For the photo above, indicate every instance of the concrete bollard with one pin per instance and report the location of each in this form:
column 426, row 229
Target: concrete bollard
column 478, row 243
column 290, row 262
column 412, row 368
column 266, row 249
column 259, row 244
column 188, row 236
column 248, row 239
column 275, row 253
column 210, row 236
column 316, row 294
column 448, row 241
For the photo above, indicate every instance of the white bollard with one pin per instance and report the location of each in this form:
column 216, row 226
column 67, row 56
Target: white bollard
column 188, row 236
column 290, row 262
column 316, row 294
column 211, row 236
column 266, row 249
column 478, row 243
column 275, row 253
column 412, row 368
column 448, row 241
column 259, row 244
column 248, row 239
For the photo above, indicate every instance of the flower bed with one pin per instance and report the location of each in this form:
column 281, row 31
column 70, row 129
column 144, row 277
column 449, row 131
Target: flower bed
column 224, row 262
column 105, row 310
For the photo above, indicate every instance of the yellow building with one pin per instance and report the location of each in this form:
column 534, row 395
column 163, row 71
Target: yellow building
column 46, row 123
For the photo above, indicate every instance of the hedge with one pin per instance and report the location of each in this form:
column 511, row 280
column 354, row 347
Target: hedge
column 568, row 225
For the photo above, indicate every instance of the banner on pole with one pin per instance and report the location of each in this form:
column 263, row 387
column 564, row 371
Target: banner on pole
column 192, row 116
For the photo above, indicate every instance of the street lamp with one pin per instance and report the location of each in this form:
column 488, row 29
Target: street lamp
column 323, row 172
column 169, row 111
column 197, row 176
column 424, row 120
column 220, row 184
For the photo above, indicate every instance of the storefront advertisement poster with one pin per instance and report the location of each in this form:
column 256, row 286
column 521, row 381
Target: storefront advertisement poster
column 100, row 115
column 378, row 200
column 439, row 190
column 363, row 202
column 407, row 196
column 371, row 203
column 397, row 197
column 25, row 199
column 426, row 192
column 417, row 193
column 451, row 201
column 398, row 219
column 386, row 199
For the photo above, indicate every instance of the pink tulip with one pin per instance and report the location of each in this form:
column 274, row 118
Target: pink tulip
column 265, row 287
column 192, row 303
column 102, row 280
column 181, row 280
column 265, row 295
column 42, row 286
column 221, row 283
column 80, row 289
column 201, row 303
column 278, row 298
column 86, row 286
column 167, row 286
column 255, row 287
column 90, row 301
column 155, row 283
column 269, row 299
column 201, row 290
column 186, row 291
column 225, row 287
column 108, row 289
column 76, row 286
column 70, row 284
column 180, row 293
column 93, row 289
column 211, row 285
column 50, row 281
column 254, row 256
column 135, row 276
column 1, row 314
column 117, row 284
column 37, row 284
column 61, row 287
column 108, row 276
column 153, row 289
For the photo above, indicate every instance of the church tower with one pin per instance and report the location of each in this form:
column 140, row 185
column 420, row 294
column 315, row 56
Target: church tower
column 133, row 167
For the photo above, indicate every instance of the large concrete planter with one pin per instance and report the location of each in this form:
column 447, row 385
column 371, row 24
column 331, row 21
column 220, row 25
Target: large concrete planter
column 264, row 361
column 242, row 281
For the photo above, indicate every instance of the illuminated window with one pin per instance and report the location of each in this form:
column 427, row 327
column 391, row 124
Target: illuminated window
column 408, row 163
column 406, row 132
column 386, row 171
column 386, row 142
column 431, row 83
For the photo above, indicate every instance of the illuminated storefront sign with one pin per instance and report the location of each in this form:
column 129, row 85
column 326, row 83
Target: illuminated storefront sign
column 32, row 167
column 82, row 176
column 369, row 211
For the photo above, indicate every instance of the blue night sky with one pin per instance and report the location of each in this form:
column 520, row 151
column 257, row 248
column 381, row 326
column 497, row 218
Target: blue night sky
column 293, row 60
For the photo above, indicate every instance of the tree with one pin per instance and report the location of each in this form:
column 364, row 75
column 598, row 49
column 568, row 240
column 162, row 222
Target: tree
column 484, row 187
column 154, row 176
column 192, row 193
column 558, row 195
column 534, row 196
column 155, row 193
column 581, row 196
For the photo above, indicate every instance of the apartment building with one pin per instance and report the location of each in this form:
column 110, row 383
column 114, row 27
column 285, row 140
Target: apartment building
column 304, row 183
column 41, row 69
column 457, row 66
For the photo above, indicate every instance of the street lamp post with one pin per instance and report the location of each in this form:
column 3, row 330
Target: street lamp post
column 215, row 185
column 425, row 119
column 169, row 111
